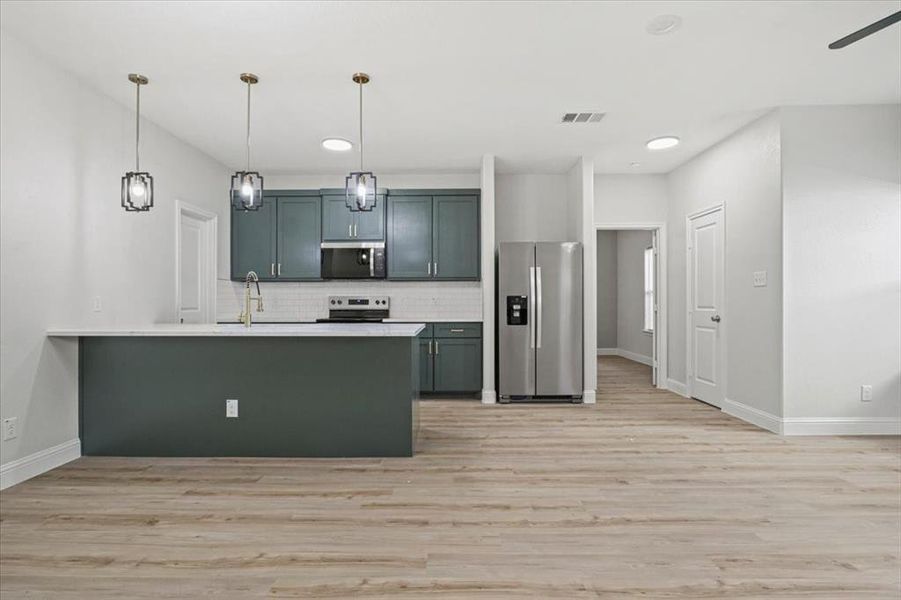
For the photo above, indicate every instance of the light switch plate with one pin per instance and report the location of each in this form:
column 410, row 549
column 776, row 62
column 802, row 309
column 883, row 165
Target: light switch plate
column 866, row 393
column 759, row 278
column 231, row 409
column 97, row 304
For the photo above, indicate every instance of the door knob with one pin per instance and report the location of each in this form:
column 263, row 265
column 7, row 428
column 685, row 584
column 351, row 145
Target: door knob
column 715, row 318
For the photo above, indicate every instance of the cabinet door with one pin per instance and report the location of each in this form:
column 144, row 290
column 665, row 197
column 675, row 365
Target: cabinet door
column 370, row 226
column 409, row 237
column 426, row 383
column 299, row 238
column 337, row 220
column 458, row 365
column 456, row 237
column 253, row 243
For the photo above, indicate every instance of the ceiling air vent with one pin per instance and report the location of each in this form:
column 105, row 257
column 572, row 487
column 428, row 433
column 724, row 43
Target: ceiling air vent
column 582, row 117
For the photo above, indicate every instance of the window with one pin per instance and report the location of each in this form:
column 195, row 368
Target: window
column 649, row 290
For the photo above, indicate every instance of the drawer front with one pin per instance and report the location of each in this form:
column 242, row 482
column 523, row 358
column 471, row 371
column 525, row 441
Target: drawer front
column 458, row 330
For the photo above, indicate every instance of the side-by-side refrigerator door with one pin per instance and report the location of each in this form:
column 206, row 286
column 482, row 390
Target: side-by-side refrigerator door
column 515, row 315
column 558, row 319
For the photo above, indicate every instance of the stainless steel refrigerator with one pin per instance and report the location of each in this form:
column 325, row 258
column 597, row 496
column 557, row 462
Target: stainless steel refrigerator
column 539, row 316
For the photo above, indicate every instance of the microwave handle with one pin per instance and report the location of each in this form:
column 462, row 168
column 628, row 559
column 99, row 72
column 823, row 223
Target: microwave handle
column 372, row 263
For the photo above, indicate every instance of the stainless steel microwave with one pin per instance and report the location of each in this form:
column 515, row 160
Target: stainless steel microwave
column 353, row 260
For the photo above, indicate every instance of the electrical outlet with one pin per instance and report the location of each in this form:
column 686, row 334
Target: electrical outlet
column 759, row 278
column 10, row 428
column 98, row 304
column 866, row 393
column 231, row 409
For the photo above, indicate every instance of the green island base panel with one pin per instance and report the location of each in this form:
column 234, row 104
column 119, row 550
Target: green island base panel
column 297, row 396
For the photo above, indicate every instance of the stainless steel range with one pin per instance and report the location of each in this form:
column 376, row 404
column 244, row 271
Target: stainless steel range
column 356, row 309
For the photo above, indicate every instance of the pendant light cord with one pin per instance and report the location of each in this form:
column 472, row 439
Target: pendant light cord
column 248, row 126
column 361, row 125
column 138, row 129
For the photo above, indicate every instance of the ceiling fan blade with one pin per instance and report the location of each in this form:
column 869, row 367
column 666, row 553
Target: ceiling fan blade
column 868, row 30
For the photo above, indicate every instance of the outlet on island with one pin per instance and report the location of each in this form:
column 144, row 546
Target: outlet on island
column 231, row 409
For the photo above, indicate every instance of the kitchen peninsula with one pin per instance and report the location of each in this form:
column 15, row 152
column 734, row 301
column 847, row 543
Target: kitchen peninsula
column 302, row 390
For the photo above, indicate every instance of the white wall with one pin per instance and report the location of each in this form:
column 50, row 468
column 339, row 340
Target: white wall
column 531, row 208
column 385, row 180
column 630, row 199
column 630, row 247
column 64, row 239
column 744, row 173
column 842, row 240
column 607, row 289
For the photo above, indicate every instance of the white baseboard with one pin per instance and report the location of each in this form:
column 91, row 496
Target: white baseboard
column 841, row 426
column 813, row 425
column 752, row 415
column 489, row 396
column 677, row 387
column 24, row 468
column 641, row 358
column 589, row 397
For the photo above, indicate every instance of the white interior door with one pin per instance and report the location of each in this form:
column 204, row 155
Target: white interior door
column 195, row 267
column 706, row 254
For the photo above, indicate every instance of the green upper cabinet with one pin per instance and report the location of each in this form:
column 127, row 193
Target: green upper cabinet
column 370, row 226
column 409, row 232
column 299, row 237
column 253, row 246
column 280, row 241
column 337, row 220
column 433, row 234
column 339, row 224
column 455, row 237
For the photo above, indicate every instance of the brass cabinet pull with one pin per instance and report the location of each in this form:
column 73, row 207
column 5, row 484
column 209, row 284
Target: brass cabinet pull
column 272, row 269
column 279, row 270
column 430, row 347
column 456, row 331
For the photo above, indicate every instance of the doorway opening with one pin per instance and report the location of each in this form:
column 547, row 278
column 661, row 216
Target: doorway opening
column 631, row 307
column 195, row 264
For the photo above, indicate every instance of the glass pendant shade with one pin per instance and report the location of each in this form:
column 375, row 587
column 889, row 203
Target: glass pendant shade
column 359, row 191
column 137, row 191
column 247, row 190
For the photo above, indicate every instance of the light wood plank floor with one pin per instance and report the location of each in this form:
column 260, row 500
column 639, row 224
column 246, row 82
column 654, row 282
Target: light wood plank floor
column 645, row 495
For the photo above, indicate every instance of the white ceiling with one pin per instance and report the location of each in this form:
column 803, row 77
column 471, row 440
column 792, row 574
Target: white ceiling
column 452, row 81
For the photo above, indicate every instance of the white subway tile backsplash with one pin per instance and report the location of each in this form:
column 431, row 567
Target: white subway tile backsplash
column 307, row 301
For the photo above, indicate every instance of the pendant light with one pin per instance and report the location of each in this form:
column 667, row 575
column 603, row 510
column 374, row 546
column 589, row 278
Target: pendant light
column 359, row 186
column 247, row 185
column 137, row 185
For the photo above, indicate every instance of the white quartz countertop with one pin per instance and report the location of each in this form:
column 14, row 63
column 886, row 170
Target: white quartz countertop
column 257, row 330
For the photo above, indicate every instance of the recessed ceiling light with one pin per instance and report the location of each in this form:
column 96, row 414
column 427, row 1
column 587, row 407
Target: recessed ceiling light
column 336, row 144
column 662, row 143
column 663, row 24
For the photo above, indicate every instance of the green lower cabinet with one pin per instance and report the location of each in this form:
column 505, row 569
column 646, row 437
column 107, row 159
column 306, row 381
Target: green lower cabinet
column 450, row 358
column 426, row 384
column 458, row 365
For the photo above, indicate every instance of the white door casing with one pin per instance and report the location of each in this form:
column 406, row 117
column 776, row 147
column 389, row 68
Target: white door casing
column 706, row 291
column 195, row 264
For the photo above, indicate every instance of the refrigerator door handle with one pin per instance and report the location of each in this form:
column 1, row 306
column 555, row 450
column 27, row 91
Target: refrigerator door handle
column 532, row 306
column 538, row 303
